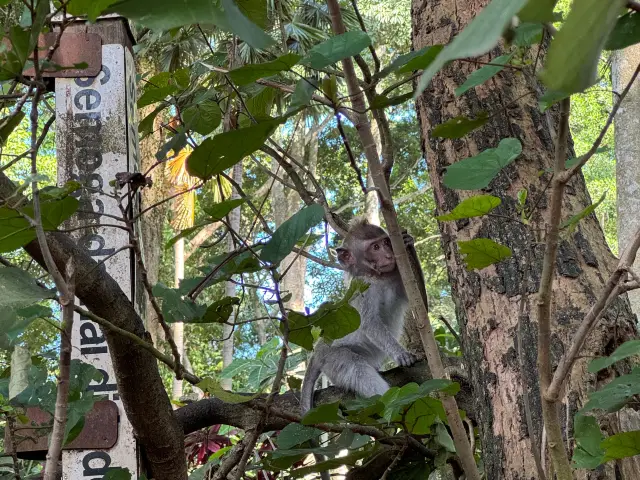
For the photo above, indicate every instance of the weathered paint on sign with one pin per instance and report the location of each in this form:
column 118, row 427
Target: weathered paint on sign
column 95, row 136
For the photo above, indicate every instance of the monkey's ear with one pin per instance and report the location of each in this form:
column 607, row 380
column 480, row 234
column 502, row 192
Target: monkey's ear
column 345, row 257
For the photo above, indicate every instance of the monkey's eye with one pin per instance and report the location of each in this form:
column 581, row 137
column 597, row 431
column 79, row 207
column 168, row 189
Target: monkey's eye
column 376, row 246
column 387, row 242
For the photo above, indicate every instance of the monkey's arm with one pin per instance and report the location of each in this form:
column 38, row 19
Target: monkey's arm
column 379, row 334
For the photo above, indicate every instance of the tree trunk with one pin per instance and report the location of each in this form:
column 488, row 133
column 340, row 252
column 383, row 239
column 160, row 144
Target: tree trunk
column 627, row 144
column 152, row 222
column 286, row 202
column 487, row 301
column 230, row 288
column 177, row 329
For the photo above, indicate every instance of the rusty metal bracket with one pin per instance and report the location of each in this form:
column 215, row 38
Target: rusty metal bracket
column 74, row 48
column 100, row 432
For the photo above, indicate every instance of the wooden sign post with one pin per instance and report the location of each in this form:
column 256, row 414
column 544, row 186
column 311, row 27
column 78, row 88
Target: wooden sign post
column 97, row 137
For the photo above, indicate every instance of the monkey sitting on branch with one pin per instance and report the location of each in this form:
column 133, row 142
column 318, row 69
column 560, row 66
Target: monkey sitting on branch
column 352, row 362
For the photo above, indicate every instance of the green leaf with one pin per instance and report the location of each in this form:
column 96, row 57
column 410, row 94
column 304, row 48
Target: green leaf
column 458, row 127
column 169, row 14
column 382, row 101
column 626, row 350
column 295, row 434
column 350, row 459
column 302, row 95
column 18, row 289
column 572, row 61
column 482, row 252
column 336, row 48
column 550, row 98
column 588, row 452
column 186, row 232
column 203, row 117
column 155, row 95
column 625, row 33
column 220, row 210
column 622, row 445
column 219, row 311
column 416, row 60
column 117, row 473
column 483, row 74
column 443, row 438
column 91, row 8
column 8, row 125
column 174, row 307
column 325, row 413
column 573, row 221
column 145, row 127
column 479, row 37
column 300, row 330
column 615, row 394
column 286, row 236
column 216, row 154
column 540, row 11
column 527, row 34
column 475, row 206
column 474, row 173
column 257, row 107
column 251, row 72
column 214, row 388
column 54, row 211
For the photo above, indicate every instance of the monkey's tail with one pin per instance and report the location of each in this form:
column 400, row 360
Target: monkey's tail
column 314, row 369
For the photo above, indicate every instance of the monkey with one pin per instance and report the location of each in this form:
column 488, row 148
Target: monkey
column 352, row 362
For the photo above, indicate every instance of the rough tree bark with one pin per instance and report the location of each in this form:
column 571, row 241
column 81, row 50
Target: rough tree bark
column 285, row 203
column 487, row 301
column 627, row 144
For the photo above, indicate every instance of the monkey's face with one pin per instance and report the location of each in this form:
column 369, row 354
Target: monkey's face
column 380, row 254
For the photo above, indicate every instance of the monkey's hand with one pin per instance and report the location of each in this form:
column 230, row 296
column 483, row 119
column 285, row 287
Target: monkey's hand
column 405, row 359
column 408, row 239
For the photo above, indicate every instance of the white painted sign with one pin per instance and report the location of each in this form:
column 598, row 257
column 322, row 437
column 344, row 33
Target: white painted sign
column 96, row 137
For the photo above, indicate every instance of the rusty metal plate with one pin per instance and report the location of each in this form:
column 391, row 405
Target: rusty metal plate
column 74, row 48
column 100, row 431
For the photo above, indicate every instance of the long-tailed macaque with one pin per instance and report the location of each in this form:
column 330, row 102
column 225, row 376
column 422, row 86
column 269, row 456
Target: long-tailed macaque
column 352, row 362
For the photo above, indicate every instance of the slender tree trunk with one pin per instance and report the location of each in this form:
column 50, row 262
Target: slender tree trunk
column 177, row 329
column 488, row 301
column 287, row 202
column 627, row 144
column 371, row 205
column 627, row 149
column 230, row 288
column 152, row 222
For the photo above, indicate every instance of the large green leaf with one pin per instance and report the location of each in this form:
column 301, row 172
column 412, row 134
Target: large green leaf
column 295, row 434
column 625, row 33
column 325, row 413
column 288, row 234
column 588, row 452
column 117, row 473
column 482, row 252
column 615, row 394
column 213, row 387
column 219, row 311
column 475, row 206
column 174, row 307
column 458, row 127
column 527, row 34
column 336, row 48
column 168, row 14
column 572, row 222
column 216, row 154
column 622, row 445
column 203, row 117
column 416, row 60
column 220, row 210
column 538, row 11
column 302, row 95
column 474, row 173
column 90, row 8
column 626, row 350
column 18, row 289
column 572, row 61
column 480, row 36
column 483, row 74
column 8, row 125
column 155, row 95
column 251, row 72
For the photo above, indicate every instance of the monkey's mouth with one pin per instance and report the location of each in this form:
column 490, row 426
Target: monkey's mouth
column 386, row 268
